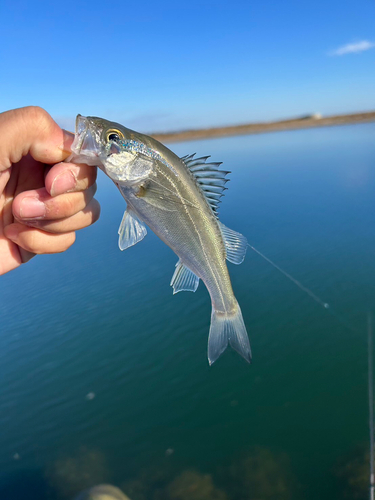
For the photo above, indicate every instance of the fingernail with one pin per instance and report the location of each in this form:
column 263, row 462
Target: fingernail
column 32, row 208
column 63, row 183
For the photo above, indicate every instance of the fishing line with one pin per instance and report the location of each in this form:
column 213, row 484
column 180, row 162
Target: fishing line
column 311, row 294
column 293, row 280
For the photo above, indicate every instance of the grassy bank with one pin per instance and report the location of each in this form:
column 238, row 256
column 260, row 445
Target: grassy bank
column 263, row 127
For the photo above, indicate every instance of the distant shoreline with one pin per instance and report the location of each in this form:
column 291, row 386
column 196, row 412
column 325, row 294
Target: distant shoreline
column 308, row 121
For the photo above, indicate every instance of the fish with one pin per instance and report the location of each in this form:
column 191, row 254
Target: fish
column 178, row 199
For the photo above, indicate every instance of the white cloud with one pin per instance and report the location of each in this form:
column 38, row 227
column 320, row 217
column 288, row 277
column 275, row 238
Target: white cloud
column 353, row 48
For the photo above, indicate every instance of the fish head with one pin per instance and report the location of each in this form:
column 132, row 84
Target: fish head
column 113, row 148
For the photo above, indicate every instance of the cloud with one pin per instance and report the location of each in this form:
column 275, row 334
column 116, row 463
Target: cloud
column 353, row 48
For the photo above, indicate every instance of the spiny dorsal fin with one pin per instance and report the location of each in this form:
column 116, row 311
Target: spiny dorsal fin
column 211, row 180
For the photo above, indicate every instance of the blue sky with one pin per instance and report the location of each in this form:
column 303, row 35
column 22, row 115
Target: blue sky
column 173, row 65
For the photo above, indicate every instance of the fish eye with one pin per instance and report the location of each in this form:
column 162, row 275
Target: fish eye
column 114, row 135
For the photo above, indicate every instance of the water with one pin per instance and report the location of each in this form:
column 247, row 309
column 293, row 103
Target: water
column 104, row 376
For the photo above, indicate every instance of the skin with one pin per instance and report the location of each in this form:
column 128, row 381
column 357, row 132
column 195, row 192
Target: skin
column 42, row 200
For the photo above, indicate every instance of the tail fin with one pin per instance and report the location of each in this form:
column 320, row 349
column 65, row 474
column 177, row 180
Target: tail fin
column 224, row 329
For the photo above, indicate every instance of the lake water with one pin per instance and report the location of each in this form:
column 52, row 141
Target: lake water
column 104, row 375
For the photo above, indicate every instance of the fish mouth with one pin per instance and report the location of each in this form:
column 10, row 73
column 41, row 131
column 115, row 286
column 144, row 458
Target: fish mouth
column 85, row 142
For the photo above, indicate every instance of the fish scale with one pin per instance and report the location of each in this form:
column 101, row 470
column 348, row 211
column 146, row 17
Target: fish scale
column 177, row 198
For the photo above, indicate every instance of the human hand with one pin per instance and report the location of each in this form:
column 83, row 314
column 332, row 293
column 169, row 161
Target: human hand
column 42, row 201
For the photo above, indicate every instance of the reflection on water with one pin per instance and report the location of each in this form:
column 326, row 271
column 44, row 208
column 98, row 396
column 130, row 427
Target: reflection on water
column 68, row 476
column 104, row 374
column 192, row 485
column 352, row 473
column 150, row 482
column 259, row 474
column 262, row 474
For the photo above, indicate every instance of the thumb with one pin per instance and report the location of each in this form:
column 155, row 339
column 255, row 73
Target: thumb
column 31, row 130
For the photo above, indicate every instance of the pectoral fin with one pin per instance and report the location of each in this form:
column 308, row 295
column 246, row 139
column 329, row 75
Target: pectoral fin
column 184, row 280
column 131, row 230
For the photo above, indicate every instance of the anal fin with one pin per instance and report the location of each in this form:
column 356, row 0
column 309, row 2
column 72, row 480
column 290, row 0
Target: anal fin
column 131, row 230
column 184, row 280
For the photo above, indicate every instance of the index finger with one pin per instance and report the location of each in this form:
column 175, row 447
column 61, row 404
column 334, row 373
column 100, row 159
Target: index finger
column 31, row 130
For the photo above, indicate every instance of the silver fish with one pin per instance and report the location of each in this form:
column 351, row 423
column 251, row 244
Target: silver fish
column 178, row 199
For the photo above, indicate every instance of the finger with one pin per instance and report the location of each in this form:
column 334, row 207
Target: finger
column 4, row 178
column 68, row 177
column 37, row 241
column 82, row 219
column 32, row 130
column 12, row 256
column 38, row 204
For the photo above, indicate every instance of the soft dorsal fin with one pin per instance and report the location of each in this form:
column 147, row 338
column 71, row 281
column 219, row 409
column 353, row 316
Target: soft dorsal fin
column 211, row 180
column 235, row 244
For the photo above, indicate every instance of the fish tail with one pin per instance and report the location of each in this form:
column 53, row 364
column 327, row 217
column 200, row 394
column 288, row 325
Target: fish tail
column 228, row 328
